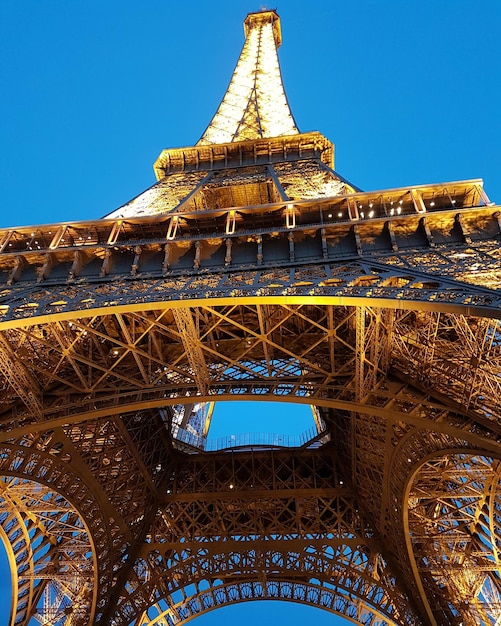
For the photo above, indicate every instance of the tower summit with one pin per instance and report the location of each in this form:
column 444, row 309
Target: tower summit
column 255, row 104
column 251, row 152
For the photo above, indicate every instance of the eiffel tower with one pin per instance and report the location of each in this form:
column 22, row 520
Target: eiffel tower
column 253, row 271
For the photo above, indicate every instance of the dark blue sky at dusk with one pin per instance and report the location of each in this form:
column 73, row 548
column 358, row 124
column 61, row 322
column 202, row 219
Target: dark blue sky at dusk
column 92, row 91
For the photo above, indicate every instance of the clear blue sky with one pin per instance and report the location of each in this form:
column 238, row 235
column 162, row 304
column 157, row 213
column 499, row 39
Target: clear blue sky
column 92, row 91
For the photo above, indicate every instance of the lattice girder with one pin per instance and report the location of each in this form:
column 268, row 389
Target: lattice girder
column 55, row 564
column 313, row 349
column 264, row 491
column 392, row 526
column 387, row 280
column 126, row 458
column 337, row 583
column 225, row 594
column 457, row 356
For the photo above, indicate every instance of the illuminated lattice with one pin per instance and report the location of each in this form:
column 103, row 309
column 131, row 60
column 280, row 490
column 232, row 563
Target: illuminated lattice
column 255, row 104
column 253, row 271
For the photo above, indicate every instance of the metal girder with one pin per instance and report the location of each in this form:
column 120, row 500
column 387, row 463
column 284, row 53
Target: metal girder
column 190, row 337
column 202, row 516
column 457, row 356
column 19, row 378
column 337, row 594
column 453, row 504
column 385, row 282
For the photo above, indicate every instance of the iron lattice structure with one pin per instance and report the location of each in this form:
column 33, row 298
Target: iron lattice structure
column 252, row 271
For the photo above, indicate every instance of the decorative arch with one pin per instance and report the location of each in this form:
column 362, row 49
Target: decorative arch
column 44, row 528
column 308, row 594
column 347, row 577
column 49, row 516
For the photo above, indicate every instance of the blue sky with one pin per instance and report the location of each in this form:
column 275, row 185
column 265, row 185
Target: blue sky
column 92, row 91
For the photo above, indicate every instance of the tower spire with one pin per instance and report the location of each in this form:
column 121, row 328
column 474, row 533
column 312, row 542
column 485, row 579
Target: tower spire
column 255, row 104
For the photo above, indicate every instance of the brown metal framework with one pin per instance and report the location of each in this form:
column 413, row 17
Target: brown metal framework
column 252, row 271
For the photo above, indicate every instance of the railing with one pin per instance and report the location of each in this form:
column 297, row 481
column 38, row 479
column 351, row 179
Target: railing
column 247, row 440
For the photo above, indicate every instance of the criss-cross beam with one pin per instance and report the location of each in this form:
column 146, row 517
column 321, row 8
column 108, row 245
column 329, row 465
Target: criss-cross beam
column 455, row 355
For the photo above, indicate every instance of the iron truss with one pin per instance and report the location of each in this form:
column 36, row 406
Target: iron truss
column 395, row 388
column 253, row 271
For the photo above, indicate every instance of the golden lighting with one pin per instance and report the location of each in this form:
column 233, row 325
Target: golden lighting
column 255, row 104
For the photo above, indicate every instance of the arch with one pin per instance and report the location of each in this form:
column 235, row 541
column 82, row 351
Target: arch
column 370, row 391
column 69, row 528
column 411, row 447
column 347, row 577
column 341, row 604
column 99, row 407
column 308, row 375
column 54, row 306
column 43, row 529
